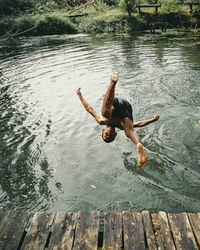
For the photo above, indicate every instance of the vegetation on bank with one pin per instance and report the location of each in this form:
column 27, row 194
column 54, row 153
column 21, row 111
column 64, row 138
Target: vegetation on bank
column 47, row 17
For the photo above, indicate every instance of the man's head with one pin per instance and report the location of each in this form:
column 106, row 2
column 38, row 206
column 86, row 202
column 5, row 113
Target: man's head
column 108, row 134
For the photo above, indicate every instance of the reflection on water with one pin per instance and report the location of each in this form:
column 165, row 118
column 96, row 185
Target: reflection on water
column 52, row 155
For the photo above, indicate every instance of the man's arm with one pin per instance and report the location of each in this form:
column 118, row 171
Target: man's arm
column 87, row 107
column 146, row 122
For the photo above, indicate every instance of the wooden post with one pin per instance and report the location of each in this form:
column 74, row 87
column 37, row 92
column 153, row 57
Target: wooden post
column 190, row 4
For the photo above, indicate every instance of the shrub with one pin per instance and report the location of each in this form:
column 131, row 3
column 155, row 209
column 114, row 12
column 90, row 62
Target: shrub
column 111, row 2
column 52, row 24
column 130, row 6
column 6, row 25
column 111, row 23
column 9, row 7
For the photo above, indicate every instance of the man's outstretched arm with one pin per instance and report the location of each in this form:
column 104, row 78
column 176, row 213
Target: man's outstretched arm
column 87, row 107
column 146, row 122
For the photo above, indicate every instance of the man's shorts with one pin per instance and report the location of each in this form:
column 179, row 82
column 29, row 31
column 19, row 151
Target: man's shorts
column 122, row 108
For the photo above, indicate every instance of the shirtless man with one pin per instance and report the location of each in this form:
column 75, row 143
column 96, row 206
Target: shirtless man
column 117, row 113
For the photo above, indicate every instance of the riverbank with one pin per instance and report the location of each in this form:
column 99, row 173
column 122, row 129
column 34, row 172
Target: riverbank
column 92, row 21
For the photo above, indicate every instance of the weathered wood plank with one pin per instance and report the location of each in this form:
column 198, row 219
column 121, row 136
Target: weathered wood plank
column 157, row 231
column 133, row 231
column 165, row 231
column 148, row 6
column 86, row 233
column 38, row 231
column 112, row 231
column 151, row 242
column 62, row 236
column 195, row 223
column 2, row 216
column 12, row 229
column 182, row 232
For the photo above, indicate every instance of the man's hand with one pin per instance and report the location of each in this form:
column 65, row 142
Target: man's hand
column 78, row 92
column 156, row 117
column 114, row 77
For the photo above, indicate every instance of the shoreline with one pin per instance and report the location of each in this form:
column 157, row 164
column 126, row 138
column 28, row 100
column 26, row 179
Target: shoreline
column 60, row 23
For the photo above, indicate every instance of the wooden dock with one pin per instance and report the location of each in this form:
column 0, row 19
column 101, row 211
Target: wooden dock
column 88, row 230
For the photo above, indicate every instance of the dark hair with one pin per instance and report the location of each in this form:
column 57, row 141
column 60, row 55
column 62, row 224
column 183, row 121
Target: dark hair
column 106, row 140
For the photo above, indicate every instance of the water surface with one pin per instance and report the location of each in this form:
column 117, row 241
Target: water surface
column 51, row 152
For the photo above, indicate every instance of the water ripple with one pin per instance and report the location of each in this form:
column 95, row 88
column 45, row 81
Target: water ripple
column 52, row 155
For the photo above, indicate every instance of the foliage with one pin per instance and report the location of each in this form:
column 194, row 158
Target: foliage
column 8, row 7
column 172, row 5
column 111, row 23
column 130, row 6
column 6, row 24
column 52, row 24
column 46, row 17
column 111, row 2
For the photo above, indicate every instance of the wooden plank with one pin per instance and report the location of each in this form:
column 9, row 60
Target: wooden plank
column 62, row 236
column 151, row 241
column 195, row 223
column 86, row 234
column 165, row 231
column 2, row 216
column 148, row 6
column 157, row 231
column 12, row 229
column 182, row 232
column 112, row 238
column 133, row 231
column 38, row 231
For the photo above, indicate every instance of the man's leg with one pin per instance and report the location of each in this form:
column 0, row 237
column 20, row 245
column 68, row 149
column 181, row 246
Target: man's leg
column 131, row 134
column 109, row 97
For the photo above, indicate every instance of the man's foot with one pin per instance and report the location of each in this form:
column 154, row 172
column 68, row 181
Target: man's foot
column 142, row 158
column 114, row 77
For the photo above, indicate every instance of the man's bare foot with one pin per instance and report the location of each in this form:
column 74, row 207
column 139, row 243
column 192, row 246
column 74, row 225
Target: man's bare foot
column 114, row 77
column 142, row 158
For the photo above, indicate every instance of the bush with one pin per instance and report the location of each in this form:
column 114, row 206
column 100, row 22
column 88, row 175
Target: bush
column 111, row 2
column 6, row 25
column 172, row 5
column 111, row 23
column 130, row 6
column 52, row 24
column 9, row 7
column 174, row 19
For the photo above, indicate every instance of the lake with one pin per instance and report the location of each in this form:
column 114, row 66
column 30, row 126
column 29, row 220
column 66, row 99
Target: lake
column 51, row 151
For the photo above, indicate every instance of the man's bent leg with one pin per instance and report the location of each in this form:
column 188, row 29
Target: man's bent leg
column 109, row 97
column 131, row 134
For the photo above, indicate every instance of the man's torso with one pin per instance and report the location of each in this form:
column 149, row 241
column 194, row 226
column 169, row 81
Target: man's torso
column 121, row 109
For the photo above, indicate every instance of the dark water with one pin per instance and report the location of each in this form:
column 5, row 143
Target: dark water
column 52, row 156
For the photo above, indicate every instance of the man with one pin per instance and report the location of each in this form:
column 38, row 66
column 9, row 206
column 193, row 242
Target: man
column 117, row 113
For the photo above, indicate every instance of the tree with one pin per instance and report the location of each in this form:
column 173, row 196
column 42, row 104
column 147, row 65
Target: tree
column 130, row 6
